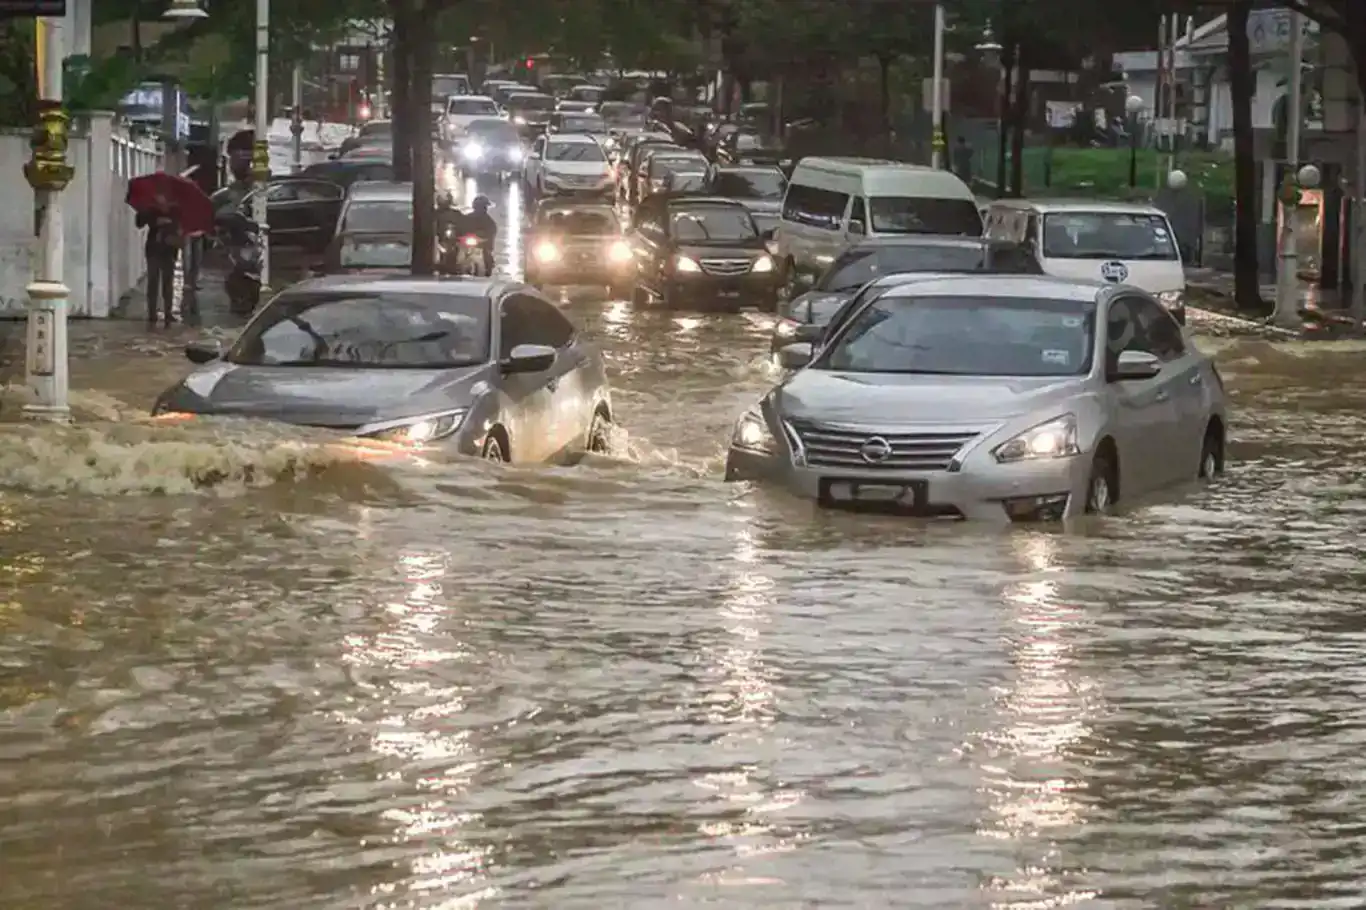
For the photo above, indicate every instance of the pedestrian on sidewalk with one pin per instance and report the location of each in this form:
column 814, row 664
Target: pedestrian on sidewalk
column 162, row 248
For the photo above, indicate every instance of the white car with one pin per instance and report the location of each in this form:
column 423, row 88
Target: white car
column 462, row 109
column 568, row 164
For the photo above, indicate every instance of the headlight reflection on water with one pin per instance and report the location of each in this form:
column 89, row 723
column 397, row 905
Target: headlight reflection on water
column 1029, row 769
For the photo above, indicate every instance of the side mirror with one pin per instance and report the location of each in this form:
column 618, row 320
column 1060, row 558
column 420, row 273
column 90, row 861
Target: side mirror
column 795, row 356
column 857, row 227
column 1132, row 365
column 529, row 358
column 808, row 333
column 203, row 351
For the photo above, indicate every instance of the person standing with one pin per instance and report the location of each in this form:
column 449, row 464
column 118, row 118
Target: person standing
column 162, row 248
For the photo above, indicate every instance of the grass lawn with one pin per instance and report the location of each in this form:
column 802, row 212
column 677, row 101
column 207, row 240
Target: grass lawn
column 1104, row 173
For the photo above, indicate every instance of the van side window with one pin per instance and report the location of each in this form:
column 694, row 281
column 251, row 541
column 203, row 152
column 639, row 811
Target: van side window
column 814, row 207
column 858, row 213
column 1031, row 232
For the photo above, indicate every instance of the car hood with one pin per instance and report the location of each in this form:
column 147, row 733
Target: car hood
column 818, row 307
column 577, row 168
column 878, row 399
column 323, row 396
column 721, row 250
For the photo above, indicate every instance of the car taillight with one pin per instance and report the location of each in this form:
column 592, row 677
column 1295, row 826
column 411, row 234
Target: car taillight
column 470, row 241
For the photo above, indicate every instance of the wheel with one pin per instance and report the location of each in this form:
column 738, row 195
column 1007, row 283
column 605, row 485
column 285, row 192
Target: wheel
column 1101, row 487
column 493, row 450
column 1211, row 454
column 600, row 435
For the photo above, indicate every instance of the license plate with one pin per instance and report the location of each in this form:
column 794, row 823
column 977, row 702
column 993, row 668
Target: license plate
column 900, row 496
column 728, row 294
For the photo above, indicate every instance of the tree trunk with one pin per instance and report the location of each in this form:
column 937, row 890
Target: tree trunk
column 400, row 87
column 423, row 166
column 884, row 92
column 1246, row 282
column 1019, row 122
column 1003, row 117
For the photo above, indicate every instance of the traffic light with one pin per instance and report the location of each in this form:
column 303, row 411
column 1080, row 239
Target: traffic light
column 531, row 63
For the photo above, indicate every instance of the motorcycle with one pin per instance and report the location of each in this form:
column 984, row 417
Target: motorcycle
column 469, row 257
column 241, row 237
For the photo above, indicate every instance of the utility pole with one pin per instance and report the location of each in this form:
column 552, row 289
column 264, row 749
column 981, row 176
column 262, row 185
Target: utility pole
column 937, row 87
column 296, row 126
column 260, row 152
column 1287, row 270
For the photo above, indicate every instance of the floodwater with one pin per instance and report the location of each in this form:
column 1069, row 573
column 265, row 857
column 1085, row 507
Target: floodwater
column 241, row 667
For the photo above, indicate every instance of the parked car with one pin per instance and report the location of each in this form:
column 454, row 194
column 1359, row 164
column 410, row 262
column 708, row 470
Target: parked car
column 300, row 210
column 346, row 171
column 879, row 263
column 701, row 250
column 579, row 243
column 1005, row 398
column 567, row 165
column 481, row 367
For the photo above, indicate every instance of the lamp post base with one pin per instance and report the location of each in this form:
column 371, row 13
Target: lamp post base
column 46, row 362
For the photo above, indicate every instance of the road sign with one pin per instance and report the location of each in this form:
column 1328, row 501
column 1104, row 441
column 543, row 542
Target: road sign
column 18, row 9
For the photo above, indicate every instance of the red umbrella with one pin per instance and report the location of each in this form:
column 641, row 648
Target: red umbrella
column 161, row 191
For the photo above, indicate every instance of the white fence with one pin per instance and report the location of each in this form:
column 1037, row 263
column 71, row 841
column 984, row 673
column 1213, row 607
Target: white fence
column 103, row 247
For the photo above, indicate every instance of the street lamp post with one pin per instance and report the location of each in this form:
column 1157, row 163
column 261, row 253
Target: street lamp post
column 937, row 87
column 1287, row 269
column 296, row 124
column 46, row 367
column 260, row 152
column 1133, row 105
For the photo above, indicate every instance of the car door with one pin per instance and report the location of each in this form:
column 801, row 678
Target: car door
column 650, row 244
column 530, row 415
column 1144, row 412
column 1184, row 378
column 570, row 381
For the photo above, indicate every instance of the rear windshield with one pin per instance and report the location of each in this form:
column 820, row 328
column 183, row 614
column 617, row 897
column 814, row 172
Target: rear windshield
column 532, row 102
column 749, row 184
column 579, row 221
column 583, row 124
column 919, row 215
column 379, row 217
column 475, row 106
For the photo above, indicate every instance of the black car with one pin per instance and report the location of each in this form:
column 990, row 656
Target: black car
column 489, row 148
column 369, row 134
column 301, row 211
column 701, row 250
column 578, row 243
column 530, row 112
column 807, row 316
column 750, row 147
column 758, row 188
column 346, row 171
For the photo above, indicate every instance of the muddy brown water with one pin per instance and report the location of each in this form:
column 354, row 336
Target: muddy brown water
column 323, row 682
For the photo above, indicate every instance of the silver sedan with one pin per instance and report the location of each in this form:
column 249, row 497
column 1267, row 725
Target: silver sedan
column 990, row 397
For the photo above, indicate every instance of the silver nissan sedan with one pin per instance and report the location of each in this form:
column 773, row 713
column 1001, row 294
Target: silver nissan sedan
column 995, row 397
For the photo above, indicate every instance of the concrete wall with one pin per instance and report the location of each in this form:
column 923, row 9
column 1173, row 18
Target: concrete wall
column 103, row 253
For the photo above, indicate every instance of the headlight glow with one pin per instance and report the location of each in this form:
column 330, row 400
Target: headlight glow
column 763, row 264
column 519, row 120
column 547, row 251
column 515, row 153
column 1055, row 439
column 752, row 433
column 418, row 431
column 619, row 251
column 473, row 152
column 686, row 264
column 786, row 328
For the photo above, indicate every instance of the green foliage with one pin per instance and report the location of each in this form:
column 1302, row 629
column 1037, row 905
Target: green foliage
column 18, row 88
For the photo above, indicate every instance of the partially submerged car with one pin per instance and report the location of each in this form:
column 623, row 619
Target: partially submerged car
column 579, row 243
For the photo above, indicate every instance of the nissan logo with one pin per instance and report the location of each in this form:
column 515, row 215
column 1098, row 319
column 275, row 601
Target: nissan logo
column 875, row 450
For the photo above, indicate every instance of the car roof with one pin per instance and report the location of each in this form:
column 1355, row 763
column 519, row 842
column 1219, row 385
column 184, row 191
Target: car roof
column 422, row 285
column 573, row 138
column 381, row 190
column 1053, row 206
column 973, row 285
column 931, row 240
column 470, row 98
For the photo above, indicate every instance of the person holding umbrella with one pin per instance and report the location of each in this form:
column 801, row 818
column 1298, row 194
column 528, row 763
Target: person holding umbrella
column 170, row 207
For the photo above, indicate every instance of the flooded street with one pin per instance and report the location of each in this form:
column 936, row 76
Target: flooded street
column 243, row 668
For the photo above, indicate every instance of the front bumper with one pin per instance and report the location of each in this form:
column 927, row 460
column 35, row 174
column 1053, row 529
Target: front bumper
column 760, row 287
column 567, row 270
column 1023, row 491
column 597, row 191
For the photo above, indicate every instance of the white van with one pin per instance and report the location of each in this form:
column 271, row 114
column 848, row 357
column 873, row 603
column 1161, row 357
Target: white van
column 833, row 203
column 1099, row 241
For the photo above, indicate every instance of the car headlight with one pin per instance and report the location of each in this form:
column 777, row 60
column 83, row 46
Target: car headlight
column 762, row 264
column 547, row 251
column 515, row 154
column 416, row 430
column 619, row 251
column 473, row 152
column 752, row 434
column 1172, row 300
column 786, row 328
column 1055, row 439
column 519, row 120
column 686, row 264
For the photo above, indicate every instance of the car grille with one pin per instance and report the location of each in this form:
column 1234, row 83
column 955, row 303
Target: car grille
column 726, row 266
column 580, row 181
column 840, row 447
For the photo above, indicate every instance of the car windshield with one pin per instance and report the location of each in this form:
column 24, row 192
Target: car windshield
column 749, row 142
column 966, row 336
column 687, row 183
column 749, row 184
column 921, row 215
column 375, row 129
column 584, row 124
column 593, row 222
column 574, row 151
column 380, row 217
column 471, row 106
column 709, row 223
column 532, row 103
column 366, row 331
column 374, row 253
column 857, row 267
column 1107, row 235
column 449, row 85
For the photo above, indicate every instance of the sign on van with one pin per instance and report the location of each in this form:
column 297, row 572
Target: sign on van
column 927, row 95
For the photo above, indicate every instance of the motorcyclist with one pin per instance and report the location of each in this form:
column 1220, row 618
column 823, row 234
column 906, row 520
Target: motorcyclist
column 481, row 224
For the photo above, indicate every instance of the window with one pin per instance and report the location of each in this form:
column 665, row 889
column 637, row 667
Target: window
column 965, row 336
column 814, row 207
column 476, row 107
column 709, row 223
column 574, row 151
column 1138, row 324
column 349, row 63
column 372, row 253
column 366, row 331
column 531, row 102
column 1108, row 235
column 663, row 164
column 583, row 124
column 920, row 215
column 858, row 213
column 592, row 222
column 530, row 320
column 755, row 184
column 379, row 217
column 1031, row 232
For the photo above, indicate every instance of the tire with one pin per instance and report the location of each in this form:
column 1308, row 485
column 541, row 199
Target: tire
column 600, row 435
column 1101, row 487
column 493, row 450
column 1211, row 455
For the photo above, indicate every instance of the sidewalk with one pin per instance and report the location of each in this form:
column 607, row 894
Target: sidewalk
column 207, row 307
column 1210, row 291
